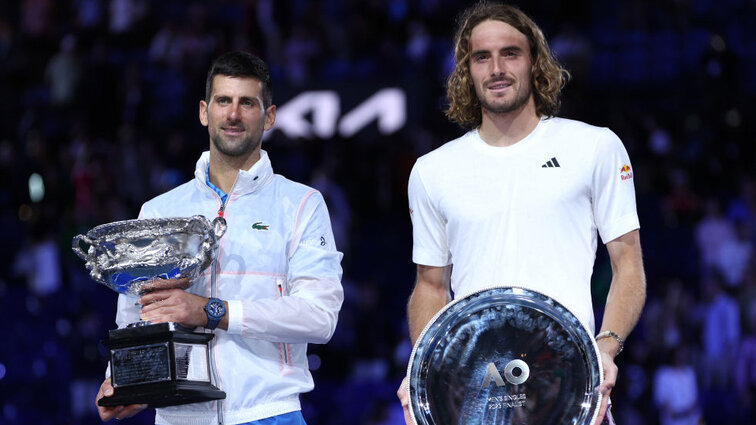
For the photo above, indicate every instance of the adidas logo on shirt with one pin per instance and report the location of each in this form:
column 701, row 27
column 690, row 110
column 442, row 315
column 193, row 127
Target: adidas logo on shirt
column 551, row 163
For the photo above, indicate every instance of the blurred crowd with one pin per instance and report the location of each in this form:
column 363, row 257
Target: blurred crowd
column 99, row 114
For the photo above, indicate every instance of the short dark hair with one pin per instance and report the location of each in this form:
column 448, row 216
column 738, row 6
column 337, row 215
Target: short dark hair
column 241, row 64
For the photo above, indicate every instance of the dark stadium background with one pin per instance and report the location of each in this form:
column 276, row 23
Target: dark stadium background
column 98, row 113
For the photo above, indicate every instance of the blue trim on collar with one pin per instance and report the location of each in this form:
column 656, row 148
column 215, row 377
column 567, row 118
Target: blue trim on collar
column 223, row 195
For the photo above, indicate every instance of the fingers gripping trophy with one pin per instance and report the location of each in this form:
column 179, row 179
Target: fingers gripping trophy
column 156, row 364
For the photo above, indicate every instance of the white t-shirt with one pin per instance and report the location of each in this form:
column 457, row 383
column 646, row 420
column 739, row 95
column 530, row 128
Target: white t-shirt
column 524, row 215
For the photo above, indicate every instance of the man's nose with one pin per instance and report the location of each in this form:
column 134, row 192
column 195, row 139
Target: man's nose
column 233, row 111
column 496, row 67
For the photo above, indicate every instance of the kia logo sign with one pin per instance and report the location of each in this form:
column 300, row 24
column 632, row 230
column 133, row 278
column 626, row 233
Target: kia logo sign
column 317, row 114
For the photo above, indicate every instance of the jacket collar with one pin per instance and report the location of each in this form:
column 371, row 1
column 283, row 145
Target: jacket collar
column 247, row 181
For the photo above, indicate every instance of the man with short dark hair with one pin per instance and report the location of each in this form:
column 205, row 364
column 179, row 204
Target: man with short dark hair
column 277, row 282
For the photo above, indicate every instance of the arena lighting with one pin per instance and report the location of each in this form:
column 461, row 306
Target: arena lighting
column 36, row 188
column 316, row 114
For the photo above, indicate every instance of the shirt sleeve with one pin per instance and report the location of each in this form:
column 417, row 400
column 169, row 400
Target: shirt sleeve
column 312, row 295
column 429, row 243
column 613, row 189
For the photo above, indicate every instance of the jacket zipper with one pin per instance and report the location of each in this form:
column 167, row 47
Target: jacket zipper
column 284, row 346
column 214, row 293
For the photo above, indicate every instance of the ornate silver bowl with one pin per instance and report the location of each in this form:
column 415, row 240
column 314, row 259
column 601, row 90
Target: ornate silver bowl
column 505, row 355
column 126, row 255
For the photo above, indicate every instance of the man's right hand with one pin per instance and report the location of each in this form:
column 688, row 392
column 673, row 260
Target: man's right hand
column 118, row 412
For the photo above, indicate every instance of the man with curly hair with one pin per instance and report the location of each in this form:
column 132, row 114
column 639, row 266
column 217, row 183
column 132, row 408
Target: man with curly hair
column 519, row 198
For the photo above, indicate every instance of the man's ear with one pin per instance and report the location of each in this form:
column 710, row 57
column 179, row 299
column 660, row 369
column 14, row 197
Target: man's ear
column 270, row 117
column 203, row 112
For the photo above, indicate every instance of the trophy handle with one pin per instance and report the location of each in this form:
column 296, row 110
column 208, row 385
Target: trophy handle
column 76, row 246
column 207, row 252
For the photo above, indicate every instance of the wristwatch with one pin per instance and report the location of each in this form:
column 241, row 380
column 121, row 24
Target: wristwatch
column 215, row 310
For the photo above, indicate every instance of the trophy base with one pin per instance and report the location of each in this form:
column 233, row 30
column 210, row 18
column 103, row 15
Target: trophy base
column 163, row 394
column 160, row 365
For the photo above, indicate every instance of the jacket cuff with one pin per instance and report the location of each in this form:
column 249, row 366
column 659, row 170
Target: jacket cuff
column 235, row 316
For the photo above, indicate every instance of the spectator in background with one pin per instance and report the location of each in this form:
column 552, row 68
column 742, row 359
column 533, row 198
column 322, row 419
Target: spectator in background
column 63, row 72
column 721, row 335
column 124, row 14
column 712, row 232
column 299, row 51
column 165, row 46
column 39, row 262
column 676, row 391
column 734, row 255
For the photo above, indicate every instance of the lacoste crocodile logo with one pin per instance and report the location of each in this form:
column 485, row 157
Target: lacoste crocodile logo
column 260, row 226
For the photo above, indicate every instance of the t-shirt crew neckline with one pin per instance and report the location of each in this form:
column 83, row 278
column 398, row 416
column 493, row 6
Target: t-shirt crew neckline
column 523, row 144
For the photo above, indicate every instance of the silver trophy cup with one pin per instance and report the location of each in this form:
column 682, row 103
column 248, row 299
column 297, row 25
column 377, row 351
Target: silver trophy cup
column 126, row 255
column 159, row 364
column 505, row 356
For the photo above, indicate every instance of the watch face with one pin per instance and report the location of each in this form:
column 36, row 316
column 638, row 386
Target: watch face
column 216, row 309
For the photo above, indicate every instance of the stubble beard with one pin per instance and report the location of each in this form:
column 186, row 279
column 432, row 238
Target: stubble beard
column 515, row 104
column 231, row 149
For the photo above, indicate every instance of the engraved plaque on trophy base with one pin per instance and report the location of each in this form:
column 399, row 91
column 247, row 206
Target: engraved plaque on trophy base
column 159, row 364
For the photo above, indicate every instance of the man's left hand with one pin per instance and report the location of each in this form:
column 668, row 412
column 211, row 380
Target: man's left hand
column 607, row 350
column 174, row 305
column 403, row 395
column 159, row 283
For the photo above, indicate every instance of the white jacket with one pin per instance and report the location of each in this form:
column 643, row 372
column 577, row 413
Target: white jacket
column 280, row 272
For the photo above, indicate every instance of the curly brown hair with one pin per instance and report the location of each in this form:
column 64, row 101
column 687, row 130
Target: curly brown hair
column 547, row 79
